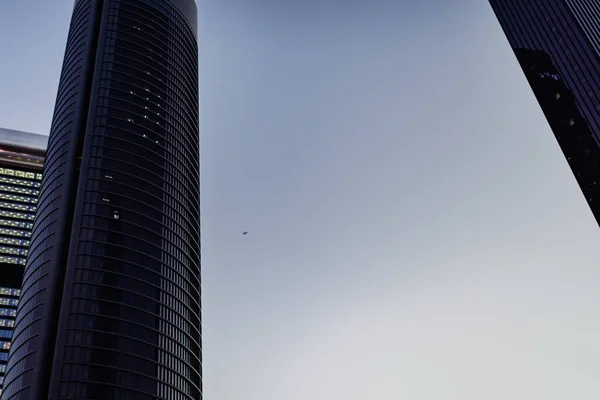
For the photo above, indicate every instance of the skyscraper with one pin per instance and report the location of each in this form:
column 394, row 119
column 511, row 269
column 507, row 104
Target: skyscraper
column 21, row 162
column 557, row 44
column 110, row 302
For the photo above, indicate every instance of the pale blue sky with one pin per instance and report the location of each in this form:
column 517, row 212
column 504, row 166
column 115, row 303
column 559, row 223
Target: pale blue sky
column 415, row 232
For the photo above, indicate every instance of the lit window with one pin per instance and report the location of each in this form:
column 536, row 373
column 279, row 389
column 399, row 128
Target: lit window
column 7, row 323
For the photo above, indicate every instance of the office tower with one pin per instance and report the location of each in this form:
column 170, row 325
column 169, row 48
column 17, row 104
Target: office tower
column 557, row 44
column 21, row 162
column 110, row 302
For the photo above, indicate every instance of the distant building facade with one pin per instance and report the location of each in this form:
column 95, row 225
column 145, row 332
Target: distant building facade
column 21, row 162
column 557, row 44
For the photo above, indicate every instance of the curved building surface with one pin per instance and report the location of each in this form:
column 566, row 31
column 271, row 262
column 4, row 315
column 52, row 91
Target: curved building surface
column 110, row 302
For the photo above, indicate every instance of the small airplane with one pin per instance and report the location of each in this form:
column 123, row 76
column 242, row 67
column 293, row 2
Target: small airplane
column 245, row 233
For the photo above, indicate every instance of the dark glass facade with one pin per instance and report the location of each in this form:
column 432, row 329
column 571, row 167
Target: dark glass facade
column 557, row 44
column 21, row 162
column 110, row 302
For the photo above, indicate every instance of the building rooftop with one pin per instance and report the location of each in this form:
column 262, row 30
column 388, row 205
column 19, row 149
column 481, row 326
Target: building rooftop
column 24, row 140
column 22, row 149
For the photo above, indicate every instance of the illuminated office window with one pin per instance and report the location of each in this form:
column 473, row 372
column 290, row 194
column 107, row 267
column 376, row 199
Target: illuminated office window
column 7, row 323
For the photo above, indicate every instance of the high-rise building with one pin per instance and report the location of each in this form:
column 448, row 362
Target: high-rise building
column 557, row 44
column 21, row 162
column 110, row 302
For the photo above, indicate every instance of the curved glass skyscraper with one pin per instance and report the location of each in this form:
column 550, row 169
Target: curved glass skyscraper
column 110, row 302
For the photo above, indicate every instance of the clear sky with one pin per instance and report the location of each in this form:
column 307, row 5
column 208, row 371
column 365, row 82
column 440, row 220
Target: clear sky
column 414, row 230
